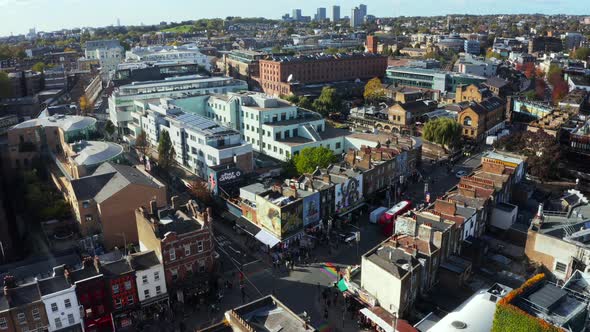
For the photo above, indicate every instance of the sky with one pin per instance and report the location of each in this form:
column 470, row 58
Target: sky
column 18, row 16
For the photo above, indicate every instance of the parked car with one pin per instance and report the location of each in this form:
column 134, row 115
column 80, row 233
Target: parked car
column 347, row 237
column 460, row 174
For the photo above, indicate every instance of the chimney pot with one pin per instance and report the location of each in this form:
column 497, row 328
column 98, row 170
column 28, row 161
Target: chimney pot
column 153, row 207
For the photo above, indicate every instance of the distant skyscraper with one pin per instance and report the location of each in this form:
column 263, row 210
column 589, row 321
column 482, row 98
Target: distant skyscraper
column 118, row 22
column 296, row 14
column 363, row 9
column 335, row 13
column 321, row 14
column 356, row 19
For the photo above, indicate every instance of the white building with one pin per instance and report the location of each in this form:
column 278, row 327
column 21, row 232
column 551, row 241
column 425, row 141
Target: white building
column 468, row 64
column 185, row 53
column 109, row 52
column 150, row 278
column 60, row 300
column 199, row 142
column 273, row 126
column 121, row 101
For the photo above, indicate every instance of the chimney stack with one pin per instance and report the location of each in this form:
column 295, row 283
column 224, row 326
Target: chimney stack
column 153, row 207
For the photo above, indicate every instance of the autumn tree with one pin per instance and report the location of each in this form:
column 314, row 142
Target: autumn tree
column 166, row 151
column 528, row 69
column 5, row 86
column 582, row 53
column 560, row 89
column 374, row 91
column 201, row 192
column 328, row 102
column 141, row 143
column 39, row 67
column 85, row 105
column 309, row 158
column 540, row 88
column 543, row 151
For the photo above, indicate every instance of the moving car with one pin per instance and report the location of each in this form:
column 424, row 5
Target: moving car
column 347, row 237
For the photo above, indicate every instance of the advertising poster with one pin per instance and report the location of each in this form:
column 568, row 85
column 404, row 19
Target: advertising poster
column 311, row 209
column 349, row 194
column 291, row 218
column 269, row 216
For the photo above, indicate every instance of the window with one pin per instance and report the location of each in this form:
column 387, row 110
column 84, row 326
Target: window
column 54, row 307
column 188, row 268
column 158, row 290
column 58, row 323
column 560, row 267
column 156, row 275
column 199, row 246
column 174, row 273
column 35, row 313
column 338, row 145
column 187, row 250
column 467, row 121
column 146, row 293
column 201, row 266
column 71, row 320
column 67, row 303
column 21, row 318
column 144, row 280
column 173, row 254
column 88, row 217
column 3, row 323
column 128, row 285
column 118, row 304
column 85, row 204
column 130, row 300
column 115, row 289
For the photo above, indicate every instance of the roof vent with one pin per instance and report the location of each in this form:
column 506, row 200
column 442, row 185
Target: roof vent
column 459, row 325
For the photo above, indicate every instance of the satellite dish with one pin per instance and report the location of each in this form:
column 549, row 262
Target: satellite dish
column 358, row 80
column 290, row 78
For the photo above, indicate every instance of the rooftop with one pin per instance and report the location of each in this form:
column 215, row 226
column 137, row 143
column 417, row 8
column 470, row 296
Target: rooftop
column 395, row 261
column 66, row 122
column 144, row 260
column 269, row 315
column 89, row 153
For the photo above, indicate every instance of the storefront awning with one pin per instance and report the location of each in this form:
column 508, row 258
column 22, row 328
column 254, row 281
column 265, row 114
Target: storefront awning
column 267, row 238
column 351, row 209
column 342, row 286
column 247, row 226
column 386, row 326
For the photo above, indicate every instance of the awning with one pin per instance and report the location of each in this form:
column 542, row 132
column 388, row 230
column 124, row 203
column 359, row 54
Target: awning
column 386, row 326
column 267, row 238
column 342, row 286
column 247, row 226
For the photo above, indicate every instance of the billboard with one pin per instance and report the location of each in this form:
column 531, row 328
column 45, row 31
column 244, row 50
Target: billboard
column 222, row 178
column 291, row 221
column 349, row 194
column 269, row 216
column 311, row 209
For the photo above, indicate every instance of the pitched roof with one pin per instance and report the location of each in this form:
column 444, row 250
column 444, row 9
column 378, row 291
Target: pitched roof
column 23, row 295
column 116, row 268
column 496, row 82
column 109, row 179
column 53, row 285
column 144, row 260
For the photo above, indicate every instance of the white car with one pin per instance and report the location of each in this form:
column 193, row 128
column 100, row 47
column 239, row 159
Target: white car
column 460, row 174
column 347, row 237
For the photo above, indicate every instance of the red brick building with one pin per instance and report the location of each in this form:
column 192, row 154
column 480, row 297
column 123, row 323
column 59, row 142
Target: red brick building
column 92, row 296
column 372, row 44
column 278, row 74
column 119, row 278
column 181, row 238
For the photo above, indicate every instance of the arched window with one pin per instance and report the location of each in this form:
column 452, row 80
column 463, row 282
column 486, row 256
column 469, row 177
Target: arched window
column 467, row 121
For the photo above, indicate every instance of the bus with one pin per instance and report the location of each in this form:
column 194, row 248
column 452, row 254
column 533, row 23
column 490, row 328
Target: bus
column 387, row 219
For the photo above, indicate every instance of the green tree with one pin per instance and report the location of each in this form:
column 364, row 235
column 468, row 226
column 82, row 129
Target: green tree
column 39, row 67
column 5, row 87
column 374, row 91
column 109, row 128
column 328, row 102
column 141, row 143
column 582, row 53
column 304, row 102
column 165, row 151
column 444, row 131
column 309, row 158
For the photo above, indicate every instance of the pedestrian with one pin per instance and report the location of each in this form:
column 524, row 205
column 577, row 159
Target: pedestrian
column 326, row 313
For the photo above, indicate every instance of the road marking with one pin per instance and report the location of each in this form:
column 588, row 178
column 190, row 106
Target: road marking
column 330, row 270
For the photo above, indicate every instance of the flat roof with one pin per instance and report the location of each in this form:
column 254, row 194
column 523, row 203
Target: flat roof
column 65, row 122
column 270, row 315
column 96, row 152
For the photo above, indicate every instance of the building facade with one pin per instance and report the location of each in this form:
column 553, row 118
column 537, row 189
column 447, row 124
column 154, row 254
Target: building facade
column 60, row 300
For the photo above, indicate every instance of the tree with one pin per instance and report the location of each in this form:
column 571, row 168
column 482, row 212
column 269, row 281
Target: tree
column 5, row 86
column 305, row 103
column 492, row 54
column 200, row 190
column 540, row 87
column 309, row 158
column 528, row 69
column 85, row 105
column 374, row 91
column 141, row 143
column 166, row 151
column 543, row 151
column 328, row 102
column 553, row 72
column 582, row 53
column 109, row 128
column 444, row 131
column 560, row 89
column 39, row 67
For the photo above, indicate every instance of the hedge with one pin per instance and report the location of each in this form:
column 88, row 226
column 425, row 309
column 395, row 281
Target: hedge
column 510, row 318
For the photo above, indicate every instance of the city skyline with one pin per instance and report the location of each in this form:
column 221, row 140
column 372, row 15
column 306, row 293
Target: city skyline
column 18, row 16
